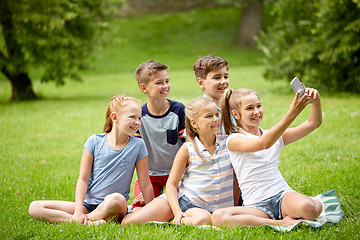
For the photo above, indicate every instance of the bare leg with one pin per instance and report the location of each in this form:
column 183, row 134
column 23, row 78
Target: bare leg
column 196, row 216
column 52, row 211
column 156, row 210
column 246, row 216
column 113, row 206
column 300, row 206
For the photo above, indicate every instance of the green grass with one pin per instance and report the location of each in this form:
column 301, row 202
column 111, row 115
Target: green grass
column 41, row 141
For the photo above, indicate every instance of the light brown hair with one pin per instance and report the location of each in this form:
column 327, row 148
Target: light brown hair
column 231, row 100
column 115, row 105
column 145, row 70
column 192, row 112
column 204, row 65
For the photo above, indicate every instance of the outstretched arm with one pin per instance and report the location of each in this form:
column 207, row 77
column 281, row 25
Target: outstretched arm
column 313, row 122
column 243, row 144
column 179, row 165
column 82, row 184
column 145, row 185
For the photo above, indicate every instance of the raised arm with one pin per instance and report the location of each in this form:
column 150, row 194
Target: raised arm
column 177, row 169
column 82, row 184
column 243, row 144
column 145, row 185
column 313, row 122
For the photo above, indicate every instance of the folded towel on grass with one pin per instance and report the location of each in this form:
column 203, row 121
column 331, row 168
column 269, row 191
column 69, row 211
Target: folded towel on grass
column 331, row 213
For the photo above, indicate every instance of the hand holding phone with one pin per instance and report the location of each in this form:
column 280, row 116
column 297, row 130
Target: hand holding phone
column 296, row 85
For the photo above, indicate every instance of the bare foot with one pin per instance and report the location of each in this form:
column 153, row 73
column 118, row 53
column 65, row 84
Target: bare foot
column 94, row 222
column 288, row 221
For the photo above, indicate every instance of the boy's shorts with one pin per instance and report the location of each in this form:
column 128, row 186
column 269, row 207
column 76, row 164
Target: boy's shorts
column 158, row 183
column 271, row 206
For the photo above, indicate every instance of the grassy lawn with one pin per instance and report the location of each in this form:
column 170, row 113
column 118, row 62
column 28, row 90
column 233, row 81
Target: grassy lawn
column 41, row 141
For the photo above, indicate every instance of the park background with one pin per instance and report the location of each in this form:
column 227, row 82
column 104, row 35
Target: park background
column 41, row 141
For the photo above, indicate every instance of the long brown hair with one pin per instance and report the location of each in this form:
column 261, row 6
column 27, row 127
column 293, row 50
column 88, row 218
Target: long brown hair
column 115, row 104
column 192, row 112
column 231, row 100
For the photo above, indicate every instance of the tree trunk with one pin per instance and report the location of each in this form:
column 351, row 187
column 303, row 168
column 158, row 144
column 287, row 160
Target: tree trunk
column 250, row 23
column 20, row 81
column 21, row 86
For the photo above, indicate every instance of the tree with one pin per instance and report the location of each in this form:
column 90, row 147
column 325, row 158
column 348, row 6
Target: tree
column 56, row 35
column 250, row 23
column 317, row 41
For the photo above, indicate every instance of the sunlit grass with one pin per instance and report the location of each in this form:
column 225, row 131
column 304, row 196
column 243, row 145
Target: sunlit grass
column 41, row 141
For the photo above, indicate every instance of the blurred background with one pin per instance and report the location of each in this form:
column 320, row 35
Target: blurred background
column 57, row 40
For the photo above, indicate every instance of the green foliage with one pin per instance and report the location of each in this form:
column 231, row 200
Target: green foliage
column 317, row 41
column 41, row 141
column 54, row 34
column 176, row 39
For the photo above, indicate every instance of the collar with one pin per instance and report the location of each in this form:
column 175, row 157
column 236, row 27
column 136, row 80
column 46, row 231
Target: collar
column 203, row 150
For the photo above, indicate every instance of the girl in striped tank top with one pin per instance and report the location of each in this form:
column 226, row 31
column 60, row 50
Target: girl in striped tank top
column 201, row 178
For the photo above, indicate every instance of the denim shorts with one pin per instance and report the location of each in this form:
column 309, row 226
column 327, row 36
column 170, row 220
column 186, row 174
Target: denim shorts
column 90, row 207
column 271, row 206
column 186, row 204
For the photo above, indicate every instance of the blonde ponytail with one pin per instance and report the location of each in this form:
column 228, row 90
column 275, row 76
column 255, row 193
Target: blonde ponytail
column 226, row 114
column 192, row 112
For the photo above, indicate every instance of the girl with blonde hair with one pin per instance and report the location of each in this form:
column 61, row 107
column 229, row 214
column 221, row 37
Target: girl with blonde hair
column 254, row 154
column 106, row 171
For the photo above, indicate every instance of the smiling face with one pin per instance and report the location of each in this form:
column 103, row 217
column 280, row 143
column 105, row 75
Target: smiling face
column 128, row 118
column 208, row 120
column 215, row 84
column 158, row 86
column 250, row 113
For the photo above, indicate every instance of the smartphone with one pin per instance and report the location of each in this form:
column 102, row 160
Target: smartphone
column 296, row 85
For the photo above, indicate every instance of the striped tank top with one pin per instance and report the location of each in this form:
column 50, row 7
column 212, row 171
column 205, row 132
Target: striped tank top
column 208, row 184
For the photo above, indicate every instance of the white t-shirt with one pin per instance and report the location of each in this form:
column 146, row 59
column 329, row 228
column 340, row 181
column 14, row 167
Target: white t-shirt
column 257, row 173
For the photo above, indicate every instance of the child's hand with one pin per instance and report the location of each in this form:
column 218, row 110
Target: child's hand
column 139, row 199
column 313, row 95
column 298, row 104
column 178, row 218
column 79, row 217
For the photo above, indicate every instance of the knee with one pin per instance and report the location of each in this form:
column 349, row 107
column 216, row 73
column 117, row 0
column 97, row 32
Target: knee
column 311, row 209
column 219, row 217
column 115, row 202
column 34, row 209
column 128, row 219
